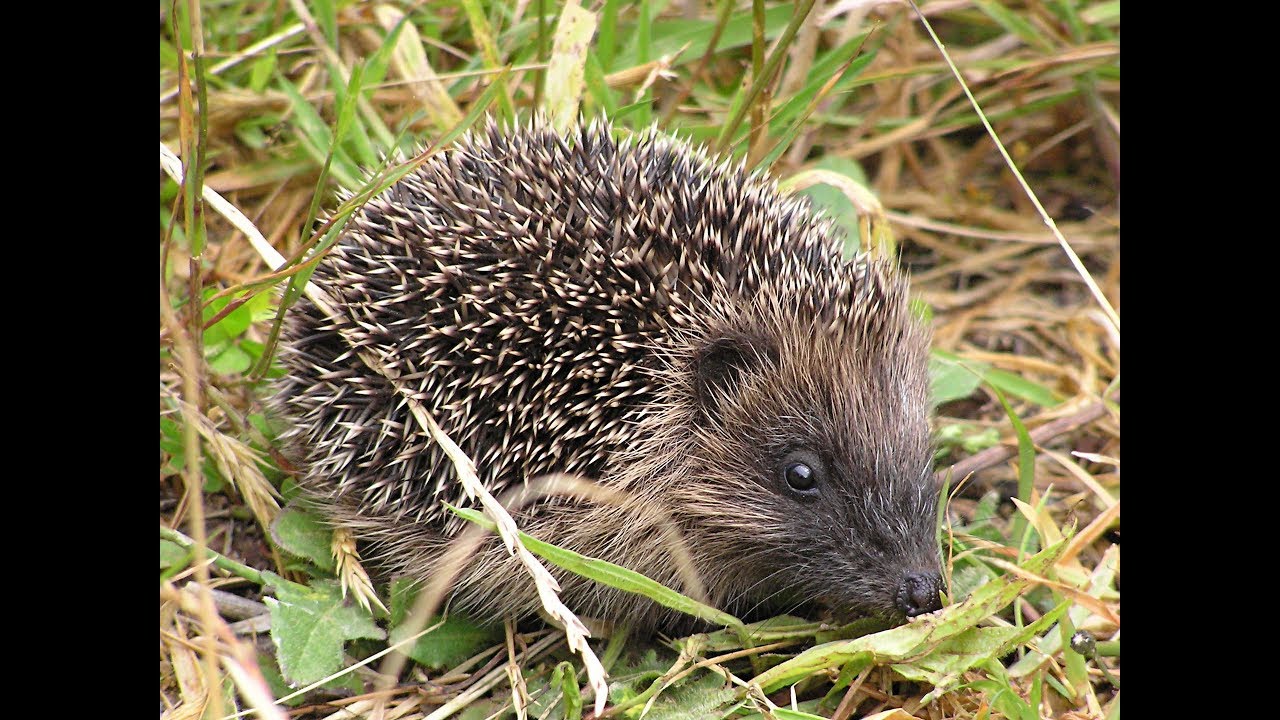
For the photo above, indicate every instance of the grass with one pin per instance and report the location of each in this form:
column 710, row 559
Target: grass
column 296, row 111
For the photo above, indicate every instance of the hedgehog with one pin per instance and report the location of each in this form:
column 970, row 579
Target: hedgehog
column 637, row 313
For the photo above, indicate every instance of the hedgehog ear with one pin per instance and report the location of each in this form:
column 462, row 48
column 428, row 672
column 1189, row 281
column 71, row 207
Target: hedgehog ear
column 718, row 368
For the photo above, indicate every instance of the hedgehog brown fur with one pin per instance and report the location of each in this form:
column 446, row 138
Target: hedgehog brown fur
column 635, row 313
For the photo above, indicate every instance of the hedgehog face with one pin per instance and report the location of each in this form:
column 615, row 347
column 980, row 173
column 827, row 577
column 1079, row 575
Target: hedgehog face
column 829, row 443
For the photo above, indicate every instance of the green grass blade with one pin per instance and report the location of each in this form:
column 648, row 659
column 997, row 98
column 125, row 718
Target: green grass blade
column 1015, row 24
column 1026, row 469
column 759, row 82
column 317, row 140
column 484, row 37
column 597, row 88
column 326, row 15
column 606, row 39
column 669, row 36
column 606, row 572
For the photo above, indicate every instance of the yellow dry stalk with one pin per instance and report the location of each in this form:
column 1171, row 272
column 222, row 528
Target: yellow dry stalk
column 239, row 463
column 351, row 573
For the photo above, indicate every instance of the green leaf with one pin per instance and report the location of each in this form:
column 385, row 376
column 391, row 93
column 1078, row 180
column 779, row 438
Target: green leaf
column 605, row 44
column 913, row 640
column 252, row 349
column 824, row 67
column 597, row 88
column 275, row 681
column 943, row 667
column 1026, row 470
column 1104, row 13
column 774, row 629
column 949, row 380
column 348, row 131
column 1019, row 386
column 236, row 322
column 565, row 677
column 612, row 575
column 326, row 15
column 262, row 70
column 231, row 360
column 168, row 56
column 966, row 579
column 1015, row 23
column 172, row 555
column 1001, row 380
column 349, row 682
column 698, row 696
column 171, row 443
column 318, row 141
column 311, row 625
column 835, row 203
column 302, row 534
column 969, row 438
column 669, row 36
column 449, row 642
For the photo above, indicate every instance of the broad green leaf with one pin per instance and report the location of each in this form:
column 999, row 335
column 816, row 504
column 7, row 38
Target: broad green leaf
column 774, row 629
column 302, row 534
column 835, row 204
column 349, row 683
column 950, row 380
column 236, row 322
column 451, row 641
column 231, row 360
column 171, row 441
column 698, row 696
column 1014, row 384
column 311, row 625
column 968, row 578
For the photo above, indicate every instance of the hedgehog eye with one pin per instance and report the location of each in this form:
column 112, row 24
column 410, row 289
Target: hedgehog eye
column 800, row 476
column 802, row 472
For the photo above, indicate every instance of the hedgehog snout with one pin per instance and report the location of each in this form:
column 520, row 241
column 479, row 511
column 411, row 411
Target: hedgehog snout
column 918, row 593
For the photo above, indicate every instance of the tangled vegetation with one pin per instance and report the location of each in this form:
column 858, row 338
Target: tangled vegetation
column 277, row 118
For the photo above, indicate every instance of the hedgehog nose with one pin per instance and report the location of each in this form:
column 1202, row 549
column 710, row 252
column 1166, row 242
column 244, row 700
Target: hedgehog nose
column 919, row 593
